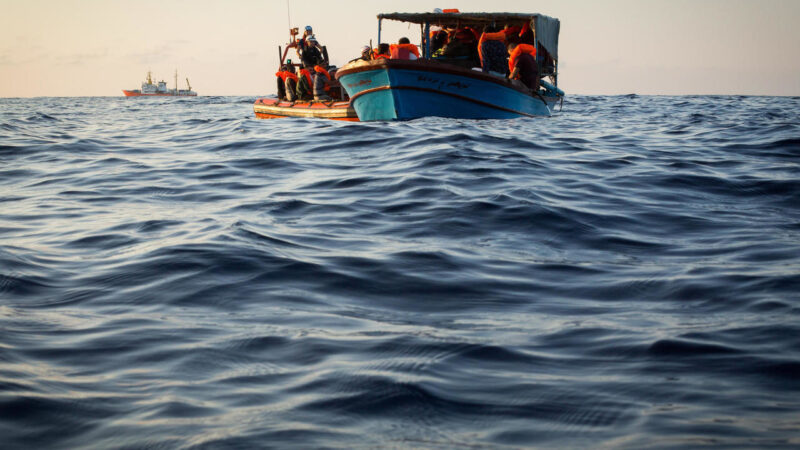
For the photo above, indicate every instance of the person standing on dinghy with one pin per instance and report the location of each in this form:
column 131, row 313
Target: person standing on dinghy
column 309, row 50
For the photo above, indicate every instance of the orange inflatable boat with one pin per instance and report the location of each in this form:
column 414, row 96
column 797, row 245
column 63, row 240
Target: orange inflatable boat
column 272, row 108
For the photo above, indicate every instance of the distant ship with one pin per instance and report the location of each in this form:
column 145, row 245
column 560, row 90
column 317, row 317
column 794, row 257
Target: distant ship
column 151, row 89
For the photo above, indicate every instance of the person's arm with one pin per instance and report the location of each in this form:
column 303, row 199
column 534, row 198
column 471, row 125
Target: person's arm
column 514, row 74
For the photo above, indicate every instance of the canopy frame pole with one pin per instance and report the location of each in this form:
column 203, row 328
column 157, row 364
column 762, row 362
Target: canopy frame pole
column 427, row 41
column 379, row 31
column 555, row 75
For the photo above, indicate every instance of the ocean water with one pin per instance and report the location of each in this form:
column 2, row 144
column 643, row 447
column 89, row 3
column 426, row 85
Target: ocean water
column 175, row 273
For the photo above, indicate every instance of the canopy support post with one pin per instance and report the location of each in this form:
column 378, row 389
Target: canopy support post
column 426, row 52
column 379, row 31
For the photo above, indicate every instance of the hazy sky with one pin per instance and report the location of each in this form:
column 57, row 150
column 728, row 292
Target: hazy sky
column 99, row 47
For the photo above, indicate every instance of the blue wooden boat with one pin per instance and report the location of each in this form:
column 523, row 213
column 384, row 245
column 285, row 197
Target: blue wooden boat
column 393, row 89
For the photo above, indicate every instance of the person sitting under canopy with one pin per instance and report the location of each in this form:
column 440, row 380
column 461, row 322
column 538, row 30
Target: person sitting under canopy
column 404, row 49
column 492, row 51
column 382, row 52
column 522, row 64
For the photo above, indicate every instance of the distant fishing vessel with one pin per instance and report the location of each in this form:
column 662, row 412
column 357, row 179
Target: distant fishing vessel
column 152, row 89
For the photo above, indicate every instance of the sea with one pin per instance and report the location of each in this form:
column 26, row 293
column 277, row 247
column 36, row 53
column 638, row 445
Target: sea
column 177, row 274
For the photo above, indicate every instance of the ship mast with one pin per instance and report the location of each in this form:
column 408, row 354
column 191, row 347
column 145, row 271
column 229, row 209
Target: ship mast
column 188, row 86
column 176, row 80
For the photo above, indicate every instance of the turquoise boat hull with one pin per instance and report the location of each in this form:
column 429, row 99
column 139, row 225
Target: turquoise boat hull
column 404, row 90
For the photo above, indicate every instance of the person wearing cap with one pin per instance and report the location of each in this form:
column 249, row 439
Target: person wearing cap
column 309, row 49
column 366, row 55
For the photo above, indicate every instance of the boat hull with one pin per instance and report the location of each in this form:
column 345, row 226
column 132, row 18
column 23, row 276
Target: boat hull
column 403, row 90
column 271, row 108
column 139, row 94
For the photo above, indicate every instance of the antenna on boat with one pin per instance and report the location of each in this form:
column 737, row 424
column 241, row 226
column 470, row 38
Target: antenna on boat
column 289, row 14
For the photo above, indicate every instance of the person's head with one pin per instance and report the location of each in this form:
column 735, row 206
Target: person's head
column 463, row 35
column 308, row 30
column 403, row 40
column 365, row 50
column 383, row 49
column 511, row 46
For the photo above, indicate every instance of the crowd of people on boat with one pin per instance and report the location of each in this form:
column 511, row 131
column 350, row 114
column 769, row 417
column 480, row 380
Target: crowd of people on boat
column 504, row 52
column 315, row 78
column 508, row 52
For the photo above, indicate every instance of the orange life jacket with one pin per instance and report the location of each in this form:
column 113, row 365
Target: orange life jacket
column 511, row 30
column 281, row 74
column 465, row 35
column 326, row 74
column 376, row 54
column 499, row 36
column 290, row 76
column 525, row 27
column 397, row 50
column 521, row 48
column 307, row 74
column 320, row 69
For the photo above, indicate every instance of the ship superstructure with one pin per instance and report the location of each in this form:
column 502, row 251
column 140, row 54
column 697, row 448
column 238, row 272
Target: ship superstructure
column 149, row 88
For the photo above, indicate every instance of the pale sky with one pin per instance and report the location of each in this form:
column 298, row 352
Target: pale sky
column 670, row 47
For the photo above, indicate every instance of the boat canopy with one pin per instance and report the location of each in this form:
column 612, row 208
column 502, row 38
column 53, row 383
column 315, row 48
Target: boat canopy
column 546, row 28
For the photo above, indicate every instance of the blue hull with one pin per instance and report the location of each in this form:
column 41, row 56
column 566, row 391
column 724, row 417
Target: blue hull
column 403, row 90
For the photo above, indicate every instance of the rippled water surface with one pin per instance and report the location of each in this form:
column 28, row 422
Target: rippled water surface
column 177, row 274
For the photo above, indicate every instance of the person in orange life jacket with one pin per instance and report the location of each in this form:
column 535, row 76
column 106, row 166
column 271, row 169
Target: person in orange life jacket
column 305, row 84
column 382, row 52
column 522, row 64
column 322, row 83
column 461, row 44
column 281, row 79
column 438, row 39
column 492, row 51
column 404, row 49
column 512, row 33
column 290, row 81
column 526, row 34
